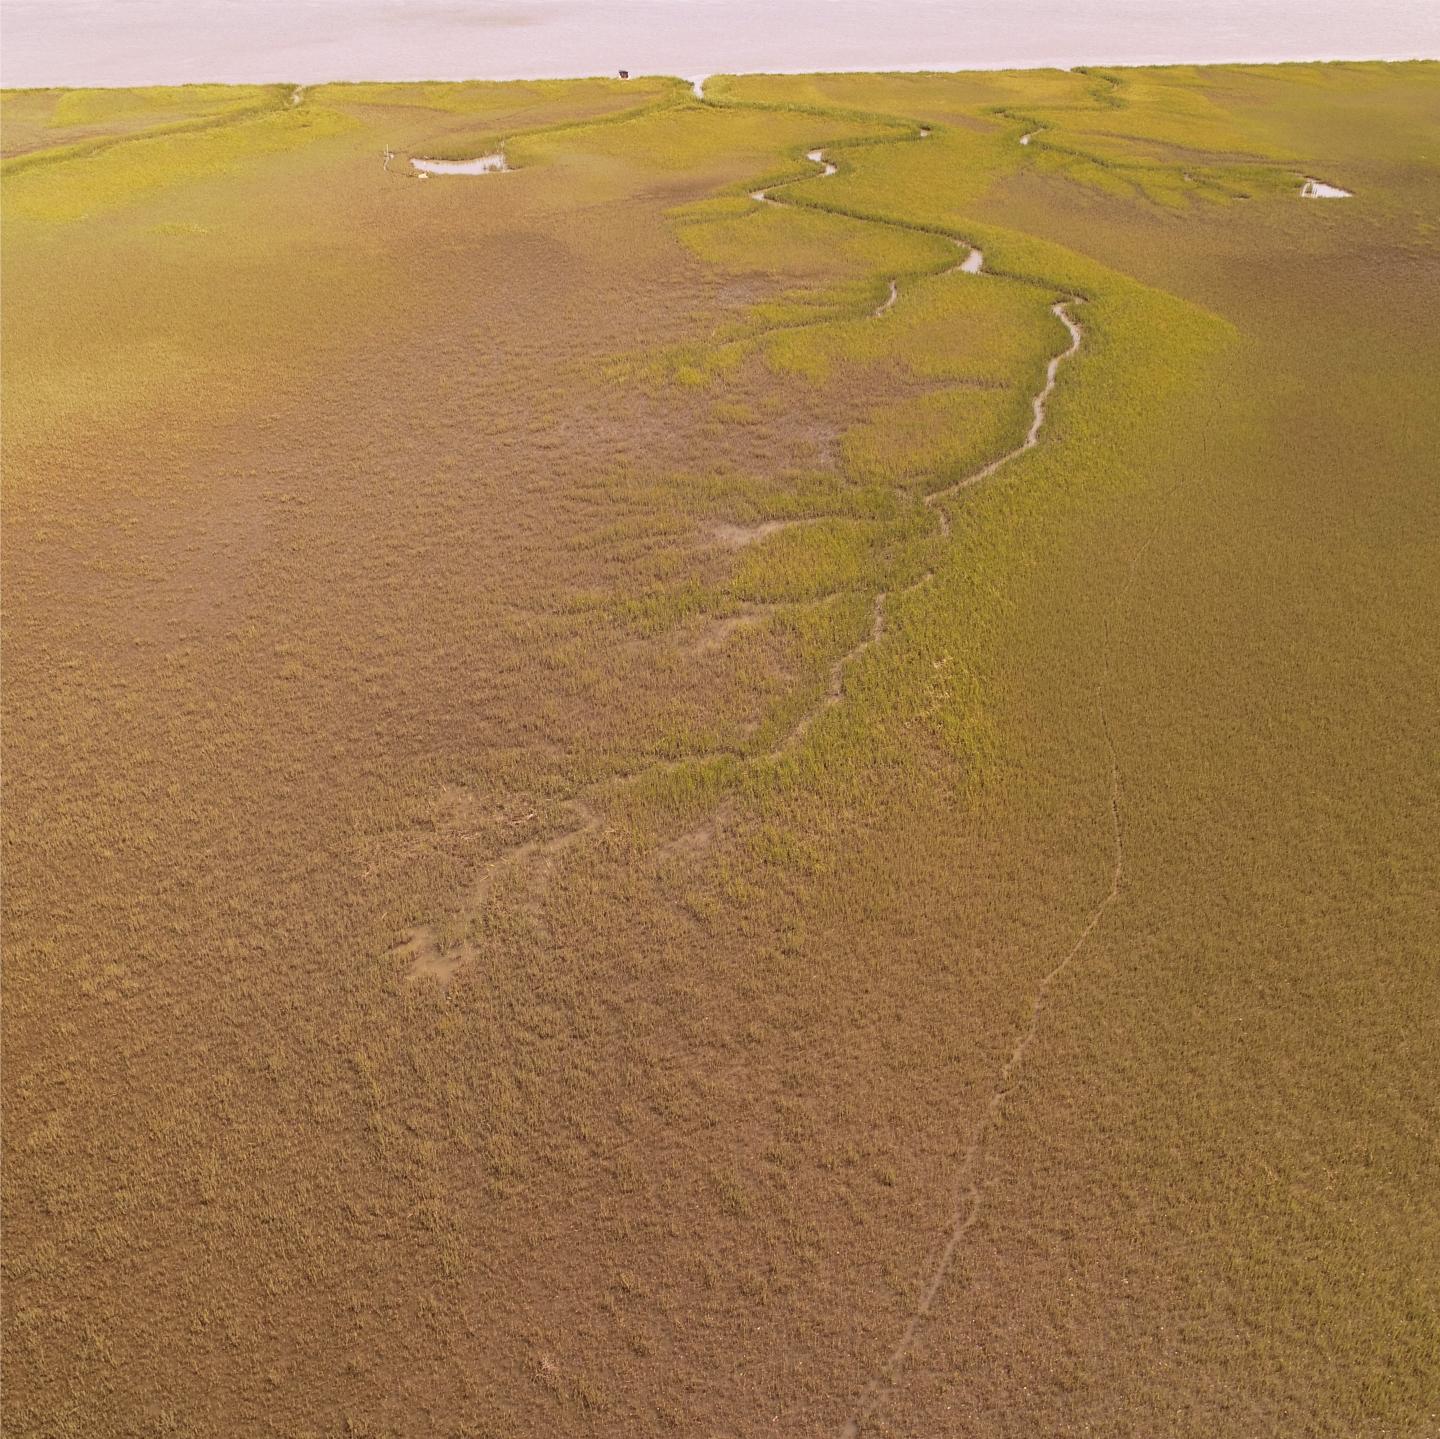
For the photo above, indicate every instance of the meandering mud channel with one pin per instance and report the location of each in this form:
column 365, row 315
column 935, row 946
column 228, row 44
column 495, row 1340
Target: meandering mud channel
column 430, row 958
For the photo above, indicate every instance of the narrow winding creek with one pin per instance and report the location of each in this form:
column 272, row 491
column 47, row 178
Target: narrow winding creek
column 422, row 947
column 429, row 958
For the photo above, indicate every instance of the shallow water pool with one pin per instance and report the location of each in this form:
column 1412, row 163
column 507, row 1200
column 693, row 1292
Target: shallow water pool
column 481, row 165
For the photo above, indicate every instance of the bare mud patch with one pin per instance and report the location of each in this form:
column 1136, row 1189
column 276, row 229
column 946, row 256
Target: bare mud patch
column 429, row 959
column 695, row 843
column 736, row 537
column 716, row 633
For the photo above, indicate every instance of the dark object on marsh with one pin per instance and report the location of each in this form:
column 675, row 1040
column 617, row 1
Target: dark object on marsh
column 624, row 74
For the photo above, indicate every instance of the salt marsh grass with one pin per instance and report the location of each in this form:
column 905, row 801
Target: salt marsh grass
column 530, row 845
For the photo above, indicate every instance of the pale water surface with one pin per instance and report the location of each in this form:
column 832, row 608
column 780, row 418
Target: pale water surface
column 480, row 165
column 141, row 42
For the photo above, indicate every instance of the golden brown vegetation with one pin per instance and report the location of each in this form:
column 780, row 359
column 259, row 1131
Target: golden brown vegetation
column 463, row 974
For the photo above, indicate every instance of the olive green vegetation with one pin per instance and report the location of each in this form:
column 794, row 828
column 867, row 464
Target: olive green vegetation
column 537, row 817
column 49, row 125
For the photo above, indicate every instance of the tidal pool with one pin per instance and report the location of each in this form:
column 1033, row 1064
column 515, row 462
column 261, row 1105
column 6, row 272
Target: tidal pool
column 481, row 165
column 1319, row 190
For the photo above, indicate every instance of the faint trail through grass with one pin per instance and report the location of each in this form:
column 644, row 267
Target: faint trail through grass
column 969, row 1193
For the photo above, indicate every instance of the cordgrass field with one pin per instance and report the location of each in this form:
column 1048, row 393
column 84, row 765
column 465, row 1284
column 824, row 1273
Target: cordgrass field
column 567, row 873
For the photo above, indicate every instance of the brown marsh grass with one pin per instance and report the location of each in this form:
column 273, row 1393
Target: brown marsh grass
column 402, row 569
